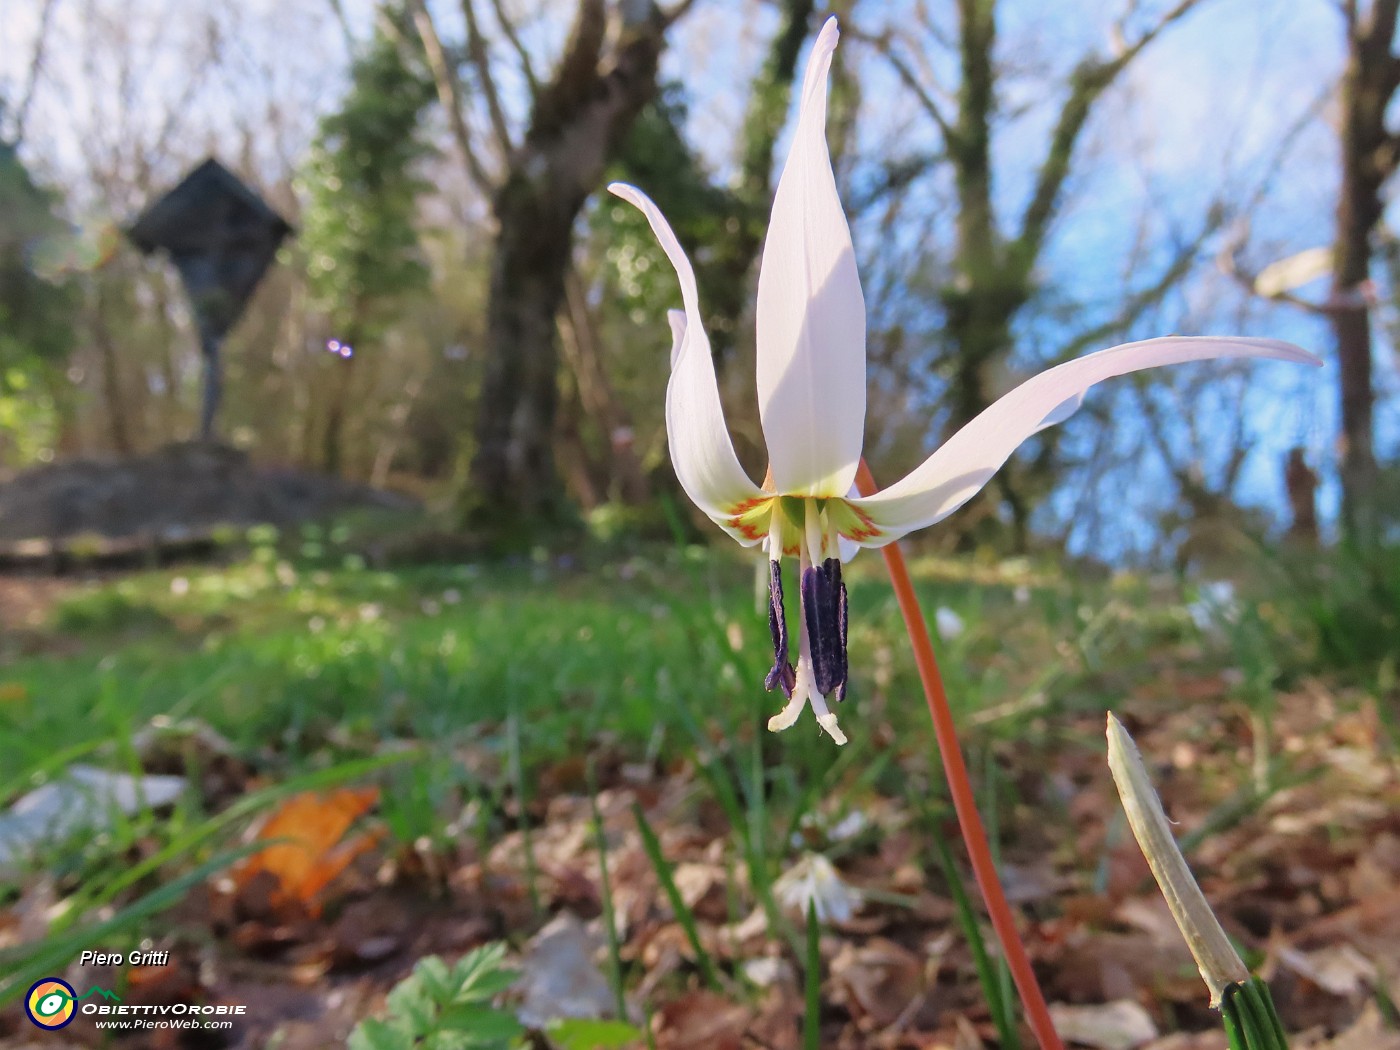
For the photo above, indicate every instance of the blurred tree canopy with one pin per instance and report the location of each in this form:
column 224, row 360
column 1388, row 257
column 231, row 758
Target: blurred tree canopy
column 365, row 265
column 36, row 332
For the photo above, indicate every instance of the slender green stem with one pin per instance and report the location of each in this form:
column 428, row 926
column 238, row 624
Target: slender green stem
column 989, row 977
column 812, row 1026
column 517, row 774
column 652, row 845
column 605, row 885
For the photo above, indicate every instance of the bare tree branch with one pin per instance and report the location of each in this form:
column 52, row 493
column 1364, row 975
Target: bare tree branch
column 1090, row 79
column 577, row 69
column 885, row 46
column 671, row 14
column 36, row 65
column 481, row 59
column 1143, row 299
column 1228, row 262
column 508, row 30
column 972, row 137
column 338, row 9
column 449, row 95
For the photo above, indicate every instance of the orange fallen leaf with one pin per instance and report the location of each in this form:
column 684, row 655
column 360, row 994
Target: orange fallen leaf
column 309, row 848
column 13, row 693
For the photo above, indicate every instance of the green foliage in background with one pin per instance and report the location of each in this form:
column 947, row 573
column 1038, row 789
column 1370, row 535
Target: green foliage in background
column 707, row 216
column 35, row 312
column 358, row 229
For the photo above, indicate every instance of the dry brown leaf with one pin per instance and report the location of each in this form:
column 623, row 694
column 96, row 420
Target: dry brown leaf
column 702, row 888
column 1368, row 1032
column 700, row 1021
column 313, row 850
column 1339, row 969
column 877, row 980
column 1119, row 1025
column 1210, row 1039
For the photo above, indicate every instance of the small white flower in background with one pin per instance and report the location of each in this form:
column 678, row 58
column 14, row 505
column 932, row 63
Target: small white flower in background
column 767, row 970
column 813, row 882
column 949, row 624
column 811, row 393
column 847, row 827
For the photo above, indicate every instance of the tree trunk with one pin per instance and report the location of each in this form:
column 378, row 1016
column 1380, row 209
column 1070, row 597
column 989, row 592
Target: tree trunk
column 627, row 480
column 332, row 451
column 1368, row 158
column 578, row 124
column 513, row 480
column 770, row 98
column 112, row 394
column 1300, row 481
column 1356, row 456
column 333, row 437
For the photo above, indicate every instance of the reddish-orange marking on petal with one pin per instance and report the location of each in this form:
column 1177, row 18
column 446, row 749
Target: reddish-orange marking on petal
column 746, row 517
column 747, row 505
column 866, row 530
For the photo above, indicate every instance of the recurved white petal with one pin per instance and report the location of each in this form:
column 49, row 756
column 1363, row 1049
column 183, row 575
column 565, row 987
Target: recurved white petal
column 811, row 314
column 701, row 450
column 959, row 469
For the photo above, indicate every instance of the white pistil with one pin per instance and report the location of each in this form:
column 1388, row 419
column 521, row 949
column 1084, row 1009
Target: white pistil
column 826, row 718
column 815, row 543
column 775, row 533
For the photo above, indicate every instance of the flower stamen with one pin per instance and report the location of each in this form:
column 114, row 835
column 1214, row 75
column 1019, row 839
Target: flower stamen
column 823, row 608
column 782, row 675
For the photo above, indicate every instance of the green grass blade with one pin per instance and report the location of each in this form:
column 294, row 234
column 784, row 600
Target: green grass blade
column 812, row 1019
column 517, row 776
column 1251, row 1021
column 673, row 894
column 21, row 966
column 988, row 975
column 605, row 885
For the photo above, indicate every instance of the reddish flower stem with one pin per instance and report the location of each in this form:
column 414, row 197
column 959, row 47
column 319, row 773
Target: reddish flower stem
column 960, row 785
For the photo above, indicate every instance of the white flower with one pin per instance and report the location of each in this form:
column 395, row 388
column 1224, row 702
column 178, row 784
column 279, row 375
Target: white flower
column 950, row 624
column 811, row 393
column 813, row 882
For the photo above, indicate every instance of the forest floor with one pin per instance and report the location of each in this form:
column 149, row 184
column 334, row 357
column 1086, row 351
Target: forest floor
column 436, row 756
